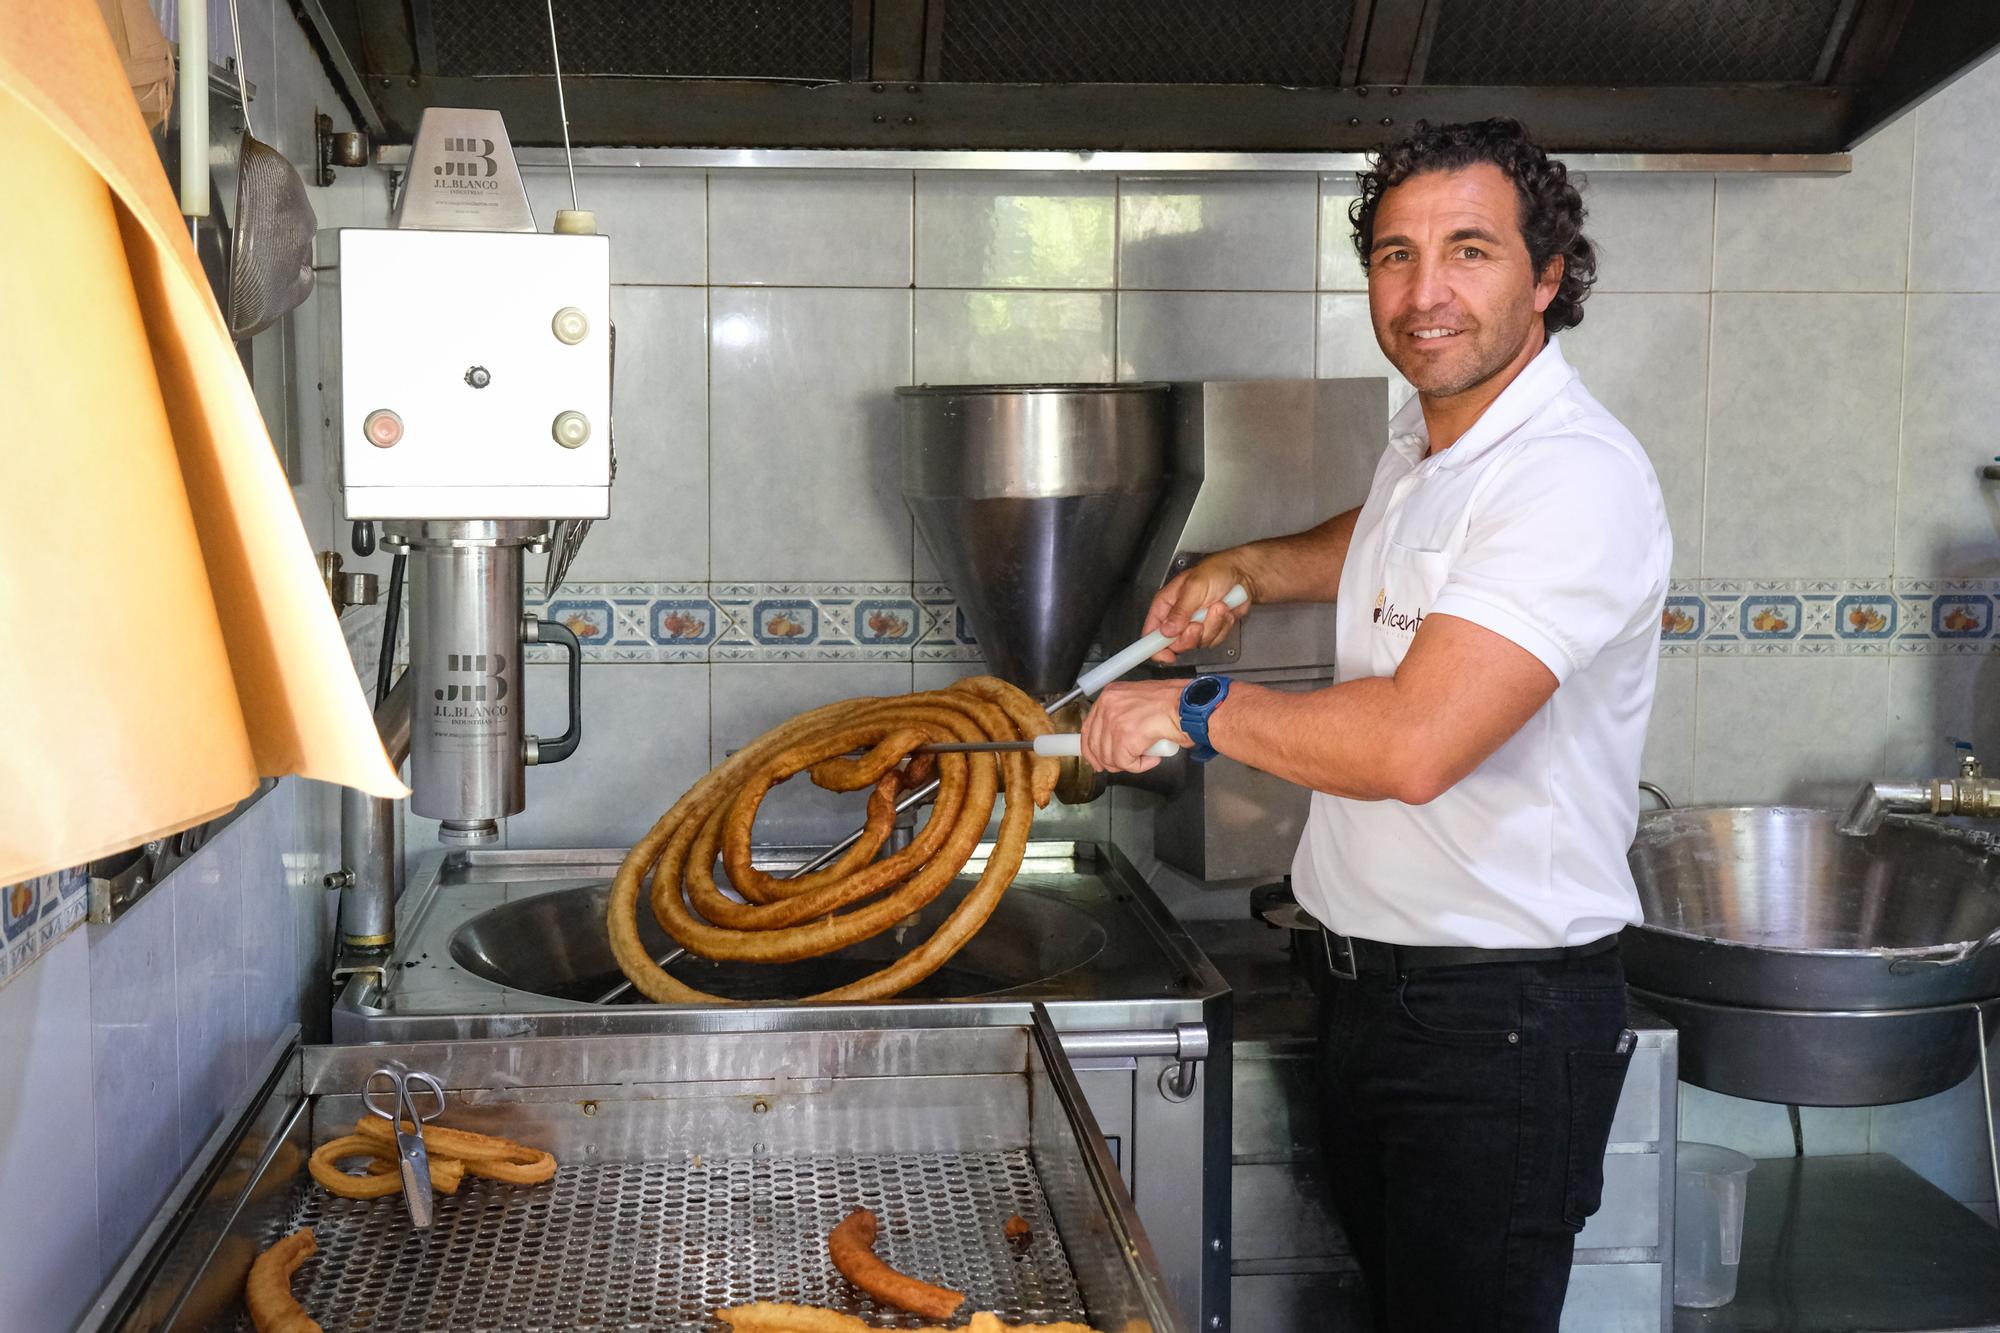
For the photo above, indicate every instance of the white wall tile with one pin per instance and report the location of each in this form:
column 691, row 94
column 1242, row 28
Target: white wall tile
column 1215, row 335
column 1948, row 523
column 1012, row 337
column 135, row 1047
column 1339, row 266
column 1645, row 357
column 1668, row 760
column 805, row 470
column 1652, row 233
column 207, row 900
column 1954, row 246
column 752, row 697
column 645, row 742
column 1762, row 1129
column 1347, row 347
column 1942, row 1138
column 658, row 529
column 809, row 228
column 1796, row 730
column 1935, row 699
column 1006, row 229
column 657, row 218
column 1217, row 233
column 48, row 1143
column 259, row 844
column 1820, row 233
column 1804, row 397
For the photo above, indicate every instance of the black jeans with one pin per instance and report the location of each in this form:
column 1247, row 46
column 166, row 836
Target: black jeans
column 1466, row 1111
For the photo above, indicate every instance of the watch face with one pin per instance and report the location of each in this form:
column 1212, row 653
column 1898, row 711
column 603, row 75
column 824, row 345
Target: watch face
column 1202, row 691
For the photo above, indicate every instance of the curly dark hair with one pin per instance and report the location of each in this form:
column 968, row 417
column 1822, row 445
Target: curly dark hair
column 1552, row 211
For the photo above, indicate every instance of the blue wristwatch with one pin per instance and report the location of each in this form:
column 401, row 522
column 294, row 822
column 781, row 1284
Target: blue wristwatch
column 1203, row 695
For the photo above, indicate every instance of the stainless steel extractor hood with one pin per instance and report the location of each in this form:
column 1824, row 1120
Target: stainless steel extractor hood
column 1219, row 76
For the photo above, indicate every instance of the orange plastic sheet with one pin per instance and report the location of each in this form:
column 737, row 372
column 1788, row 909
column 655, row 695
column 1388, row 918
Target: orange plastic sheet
column 167, row 636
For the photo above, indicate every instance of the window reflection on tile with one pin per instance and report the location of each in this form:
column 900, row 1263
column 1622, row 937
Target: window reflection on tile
column 1242, row 233
column 985, row 229
column 1008, row 337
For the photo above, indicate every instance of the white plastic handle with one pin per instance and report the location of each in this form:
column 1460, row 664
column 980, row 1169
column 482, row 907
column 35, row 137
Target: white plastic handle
column 1111, row 668
column 1069, row 745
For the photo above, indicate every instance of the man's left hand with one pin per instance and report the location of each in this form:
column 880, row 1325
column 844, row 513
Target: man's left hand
column 1128, row 718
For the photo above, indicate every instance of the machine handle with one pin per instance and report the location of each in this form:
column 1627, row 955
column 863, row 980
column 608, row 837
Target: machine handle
column 1069, row 745
column 536, row 630
column 1095, row 679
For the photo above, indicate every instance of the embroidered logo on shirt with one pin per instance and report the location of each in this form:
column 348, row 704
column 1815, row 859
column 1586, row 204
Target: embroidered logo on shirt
column 1387, row 614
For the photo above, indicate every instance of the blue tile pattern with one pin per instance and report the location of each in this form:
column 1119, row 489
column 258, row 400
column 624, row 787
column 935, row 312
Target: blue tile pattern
column 922, row 622
column 37, row 912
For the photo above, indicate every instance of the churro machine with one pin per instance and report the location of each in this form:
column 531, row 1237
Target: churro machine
column 473, row 358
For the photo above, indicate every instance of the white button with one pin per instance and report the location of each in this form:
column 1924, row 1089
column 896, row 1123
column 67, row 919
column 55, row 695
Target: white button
column 571, row 429
column 570, row 325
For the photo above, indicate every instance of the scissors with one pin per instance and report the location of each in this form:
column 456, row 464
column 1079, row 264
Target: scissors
column 396, row 1104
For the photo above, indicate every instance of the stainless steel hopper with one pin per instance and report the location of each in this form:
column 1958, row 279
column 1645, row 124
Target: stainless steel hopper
column 1034, row 499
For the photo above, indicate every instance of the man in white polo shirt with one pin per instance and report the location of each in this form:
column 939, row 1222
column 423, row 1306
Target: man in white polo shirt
column 1475, row 768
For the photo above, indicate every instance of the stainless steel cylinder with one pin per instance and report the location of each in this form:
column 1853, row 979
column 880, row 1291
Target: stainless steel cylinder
column 466, row 740
column 1034, row 498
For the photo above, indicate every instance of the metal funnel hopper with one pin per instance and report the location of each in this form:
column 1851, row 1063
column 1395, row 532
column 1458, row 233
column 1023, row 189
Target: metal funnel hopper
column 1034, row 500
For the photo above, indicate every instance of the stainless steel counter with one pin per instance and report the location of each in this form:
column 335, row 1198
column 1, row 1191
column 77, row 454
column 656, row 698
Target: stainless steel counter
column 513, row 944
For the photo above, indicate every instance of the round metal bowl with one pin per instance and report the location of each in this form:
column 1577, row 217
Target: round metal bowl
column 555, row 944
column 1804, row 965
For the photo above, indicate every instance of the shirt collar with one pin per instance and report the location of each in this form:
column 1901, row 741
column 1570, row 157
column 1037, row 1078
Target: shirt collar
column 1533, row 389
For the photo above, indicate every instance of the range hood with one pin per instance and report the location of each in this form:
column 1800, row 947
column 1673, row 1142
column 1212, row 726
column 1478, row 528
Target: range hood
column 1222, row 76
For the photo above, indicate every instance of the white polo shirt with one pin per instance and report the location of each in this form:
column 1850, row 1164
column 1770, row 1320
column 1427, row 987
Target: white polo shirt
column 1544, row 523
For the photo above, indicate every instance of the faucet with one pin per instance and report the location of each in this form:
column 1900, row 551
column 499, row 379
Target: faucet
column 1970, row 793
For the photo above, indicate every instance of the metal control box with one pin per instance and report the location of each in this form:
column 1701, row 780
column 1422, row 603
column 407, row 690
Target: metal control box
column 474, row 372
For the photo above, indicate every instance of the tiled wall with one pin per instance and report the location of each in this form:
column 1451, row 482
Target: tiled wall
column 121, row 1045
column 1803, row 357
column 1806, row 359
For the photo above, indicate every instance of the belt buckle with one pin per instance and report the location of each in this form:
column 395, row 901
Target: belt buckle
column 1353, row 972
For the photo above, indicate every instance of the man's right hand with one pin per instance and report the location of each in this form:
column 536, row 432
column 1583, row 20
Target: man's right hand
column 1202, row 585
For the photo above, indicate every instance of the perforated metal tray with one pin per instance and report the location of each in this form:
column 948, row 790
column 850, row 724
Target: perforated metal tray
column 697, row 1172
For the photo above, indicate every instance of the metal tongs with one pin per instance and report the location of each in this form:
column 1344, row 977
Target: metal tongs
column 396, row 1105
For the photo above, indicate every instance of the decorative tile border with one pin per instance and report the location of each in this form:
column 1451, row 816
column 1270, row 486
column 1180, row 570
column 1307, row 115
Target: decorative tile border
column 757, row 622
column 922, row 622
column 37, row 912
column 1829, row 617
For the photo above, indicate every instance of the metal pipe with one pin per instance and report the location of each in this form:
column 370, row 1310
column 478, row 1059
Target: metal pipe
column 371, row 877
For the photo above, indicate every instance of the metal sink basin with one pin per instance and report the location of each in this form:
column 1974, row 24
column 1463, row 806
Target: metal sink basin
column 555, row 944
column 1804, row 965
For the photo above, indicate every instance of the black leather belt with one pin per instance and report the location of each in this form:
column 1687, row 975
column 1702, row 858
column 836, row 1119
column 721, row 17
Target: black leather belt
column 1348, row 957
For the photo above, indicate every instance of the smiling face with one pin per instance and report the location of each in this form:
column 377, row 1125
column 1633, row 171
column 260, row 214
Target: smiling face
column 1452, row 291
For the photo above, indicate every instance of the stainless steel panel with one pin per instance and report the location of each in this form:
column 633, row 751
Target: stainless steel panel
column 1296, row 1302
column 1137, row 992
column 1629, row 1215
column 922, row 159
column 1613, row 1298
column 1638, row 1117
column 1230, row 822
column 467, row 740
column 1276, row 1106
column 1109, row 1086
column 1255, row 459
column 1034, row 499
column 1280, row 1211
column 661, row 1210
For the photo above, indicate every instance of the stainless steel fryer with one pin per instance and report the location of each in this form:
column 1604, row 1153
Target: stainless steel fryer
column 697, row 1171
